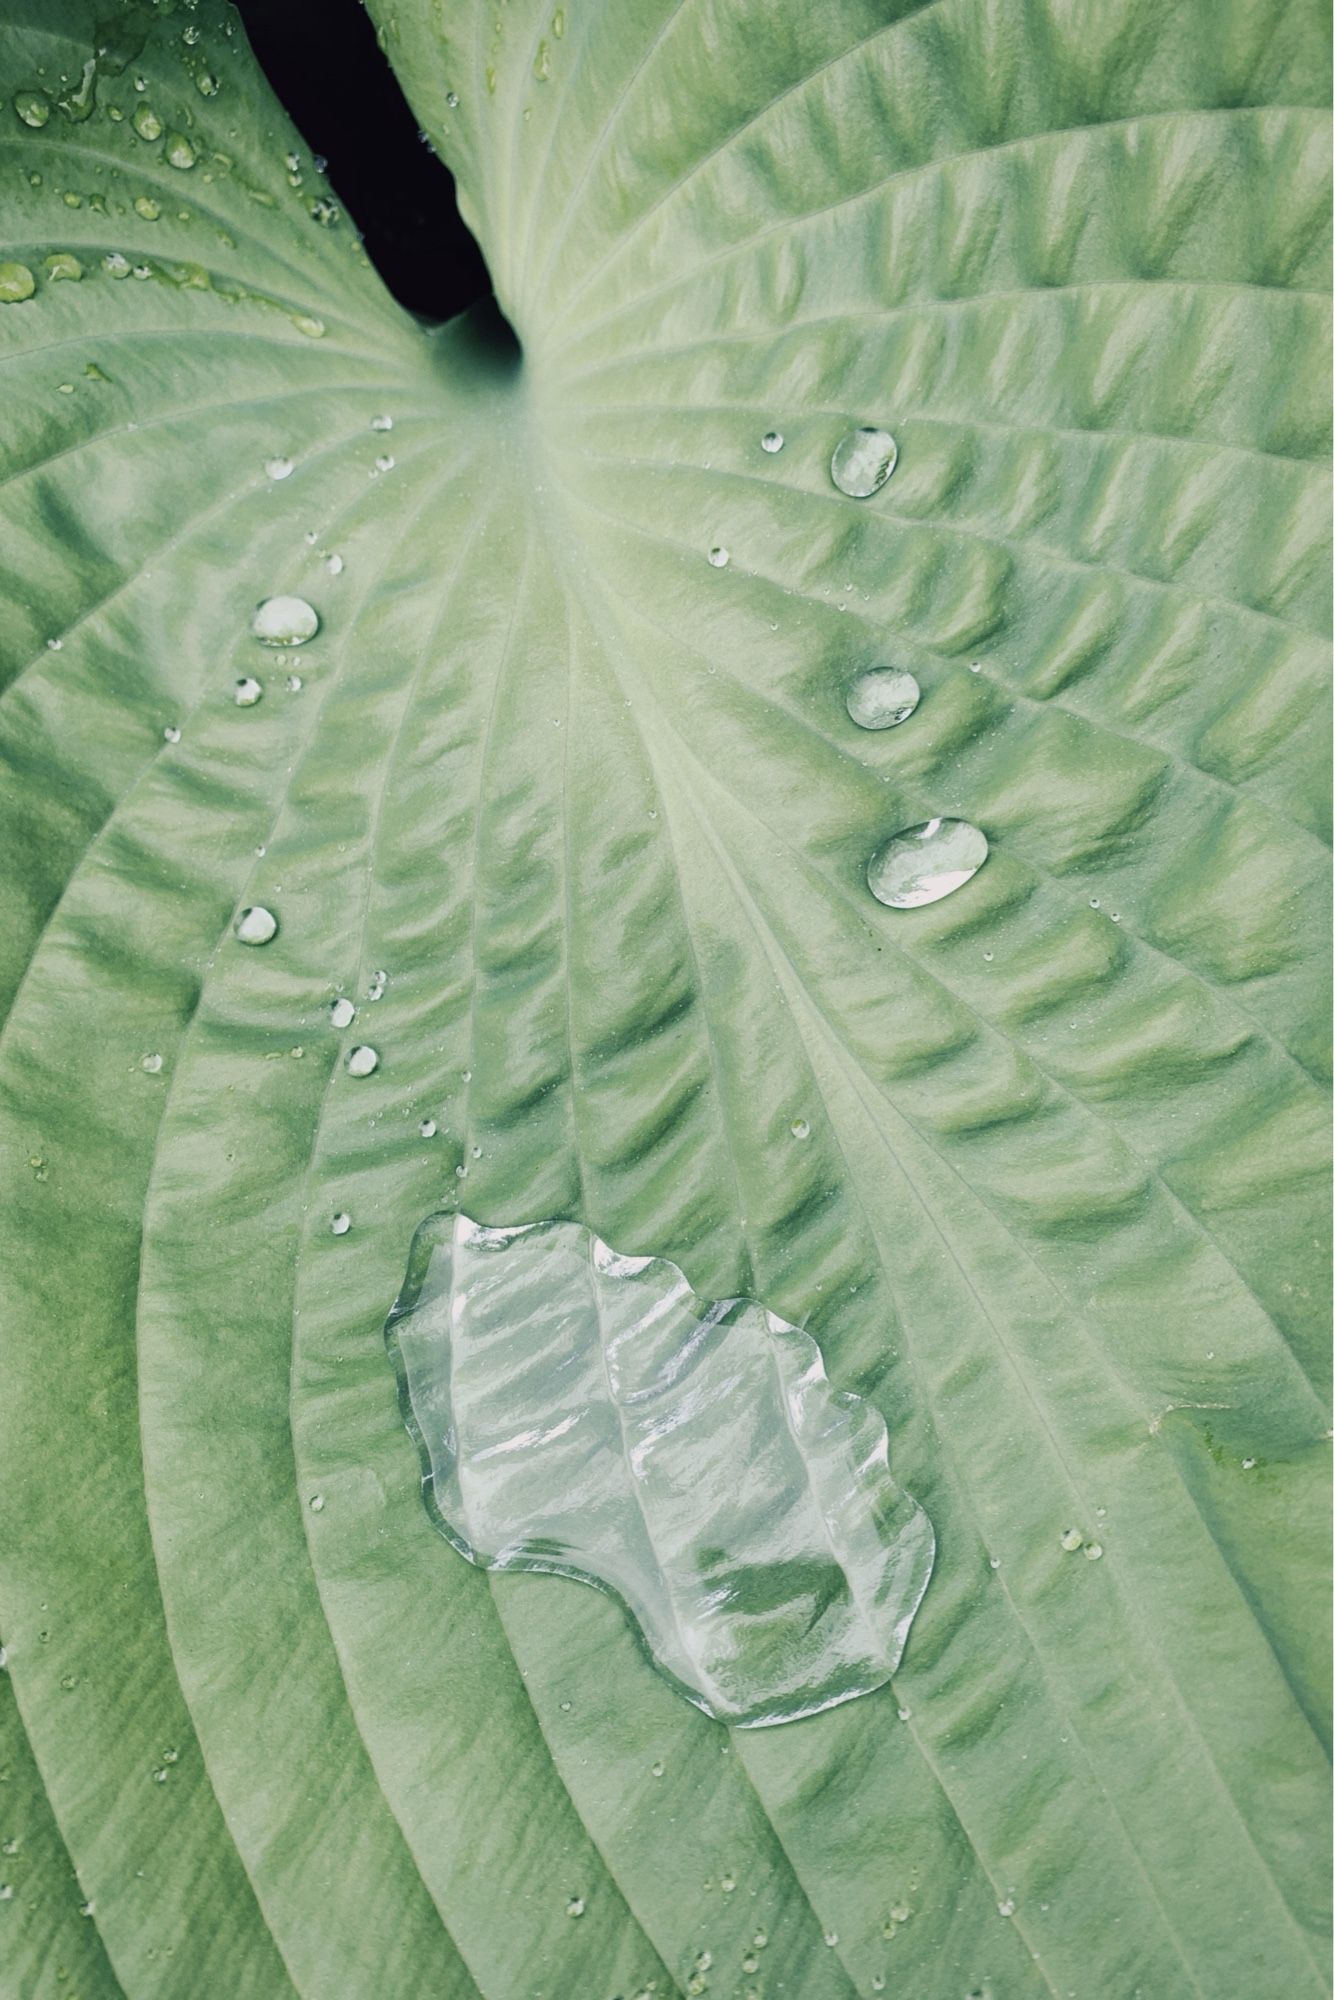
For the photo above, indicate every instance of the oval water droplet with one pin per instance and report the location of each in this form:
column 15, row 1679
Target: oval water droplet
column 800, row 1128
column 180, row 152
column 340, row 1224
column 316, row 1503
column 146, row 122
column 61, row 267
column 883, row 698
column 452, row 99
column 362, row 1060
column 719, row 556
column 171, row 733
column 33, row 107
column 926, row 862
column 279, row 468
column 334, row 565
column 247, row 691
column 285, row 621
column 151, row 1063
column 385, row 462
column 1072, row 1540
column 255, row 925
column 342, row 1012
column 863, row 460
column 428, row 1128
column 116, row 266
column 146, row 208
column 772, row 441
column 16, row 284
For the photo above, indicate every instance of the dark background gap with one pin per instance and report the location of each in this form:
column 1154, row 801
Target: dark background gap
column 326, row 68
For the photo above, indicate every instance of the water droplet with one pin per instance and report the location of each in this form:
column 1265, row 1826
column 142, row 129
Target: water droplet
column 33, row 107
column 719, row 556
column 883, row 698
column 575, row 1907
column 1006, row 1906
column 452, row 99
column 1093, row 1550
column 362, row 1060
column 995, row 1562
column 428, row 1128
column 309, row 324
column 160, row 1776
column 800, row 1128
column 152, row 1063
column 115, row 266
column 924, row 863
column 900, row 1913
column 727, row 1883
column 207, row 84
column 975, row 666
column 1248, row 1465
column 1072, row 1540
column 317, row 1503
column 85, row 1909
column 772, row 441
column 146, row 122
column 905, row 1715
column 760, row 1940
column 324, row 211
column 340, row 1224
column 6, row 1892
column 542, row 63
column 657, row 1769
column 55, row 645
column 342, row 1012
column 334, row 565
column 247, row 691
column 180, row 152
column 16, row 284
column 255, row 925
column 863, row 460
column 831, row 1939
column 382, row 423
column 285, row 621
column 385, row 462
column 278, row 468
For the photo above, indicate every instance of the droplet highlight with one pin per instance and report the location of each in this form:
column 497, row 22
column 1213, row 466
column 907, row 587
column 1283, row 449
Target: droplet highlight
column 863, row 460
column 285, row 621
column 362, row 1060
column 883, row 698
column 255, row 925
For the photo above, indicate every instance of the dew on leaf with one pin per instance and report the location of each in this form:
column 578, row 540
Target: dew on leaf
column 294, row 683
column 151, row 1063
column 926, row 862
column 883, row 698
column 278, row 467
column 180, row 152
column 863, row 460
column 800, row 1128
column 575, row 1907
column 719, row 556
column 285, row 621
column 146, row 122
column 16, row 284
column 116, row 266
column 147, row 208
column 33, row 107
column 342, row 1012
column 382, row 423
column 334, row 565
column 247, row 691
column 1093, row 1550
column 428, row 1128
column 1006, row 1906
column 385, row 462
column 1072, row 1540
column 772, row 441
column 362, row 1060
column 452, row 99
column 340, row 1224
column 255, row 925
column 317, row 1503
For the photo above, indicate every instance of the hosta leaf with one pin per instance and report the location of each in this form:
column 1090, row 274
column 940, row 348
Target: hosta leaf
column 1039, row 1166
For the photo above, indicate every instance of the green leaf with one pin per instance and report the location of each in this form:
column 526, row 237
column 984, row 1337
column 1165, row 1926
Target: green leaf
column 597, row 811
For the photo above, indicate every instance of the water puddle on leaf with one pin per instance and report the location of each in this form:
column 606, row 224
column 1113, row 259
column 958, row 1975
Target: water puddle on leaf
column 585, row 1414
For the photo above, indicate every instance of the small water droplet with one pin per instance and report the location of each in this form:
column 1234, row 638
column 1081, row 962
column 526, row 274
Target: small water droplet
column 863, row 460
column 160, row 1776
column 542, row 63
column 294, row 683
column 831, row 1939
column 207, row 84
column 115, row 266
column 760, row 1940
column 146, row 122
column 86, row 1909
column 924, row 863
column 883, row 698
column 800, row 1128
column 719, row 556
column 657, row 1769
column 324, row 211
column 255, row 925
column 905, row 1715
column 772, row 441
column 1072, row 1540
column 575, row 1907
column 727, row 1883
column 362, row 1060
column 247, row 691
column 285, row 621
column 452, row 99
column 6, row 1892
column 1006, row 1906
column 340, row 1224
column 33, row 107
column 309, row 324
column 317, row 1503
column 179, row 152
column 1248, row 1465
column 975, row 666
column 334, row 565
column 428, row 1128
column 61, row 267
column 16, row 284
column 900, row 1913
column 279, row 468
column 1093, row 1550
column 995, row 1562
column 342, row 1012
column 151, row 1063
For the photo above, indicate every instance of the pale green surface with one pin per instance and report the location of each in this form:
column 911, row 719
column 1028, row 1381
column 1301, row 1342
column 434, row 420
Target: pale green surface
column 599, row 811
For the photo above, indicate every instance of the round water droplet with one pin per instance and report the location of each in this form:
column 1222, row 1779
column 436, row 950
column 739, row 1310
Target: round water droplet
column 115, row 266
column 1006, row 1906
column 152, row 1063
column 33, row 107
column 863, row 460
column 883, row 698
column 180, row 152
column 340, row 1223
column 657, row 1769
column 362, row 1060
column 294, row 683
column 146, row 207
column 382, row 423
column 1093, row 1550
column 171, row 733
column 719, row 556
column 905, row 1715
column 146, row 122
column 61, row 266
column 334, row 565
column 772, row 441
column 428, row 1128
column 575, row 1907
column 924, row 863
column 317, row 1503
column 278, row 468
column 207, row 84
column 255, row 925
column 342, row 1013
column 385, row 462
column 16, row 284
column 285, row 621
column 247, row 692
column 452, row 99
column 800, row 1128
column 1072, row 1540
